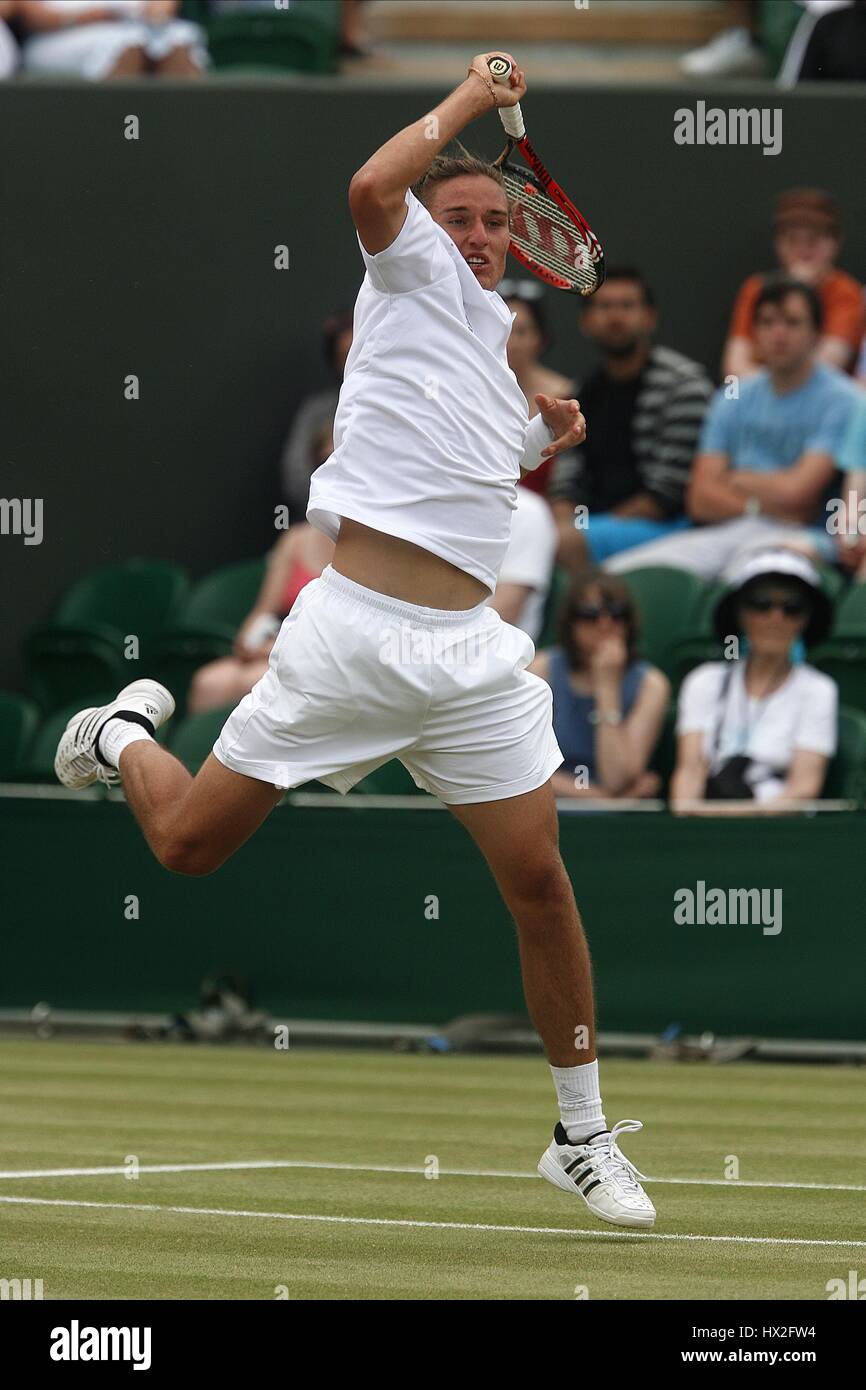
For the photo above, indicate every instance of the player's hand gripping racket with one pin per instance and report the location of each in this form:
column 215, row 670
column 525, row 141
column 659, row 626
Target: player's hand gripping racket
column 548, row 234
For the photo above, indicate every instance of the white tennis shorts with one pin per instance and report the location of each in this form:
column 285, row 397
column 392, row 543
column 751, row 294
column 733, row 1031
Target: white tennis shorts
column 356, row 678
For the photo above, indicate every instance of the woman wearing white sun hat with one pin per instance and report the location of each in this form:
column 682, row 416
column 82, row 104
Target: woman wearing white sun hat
column 761, row 726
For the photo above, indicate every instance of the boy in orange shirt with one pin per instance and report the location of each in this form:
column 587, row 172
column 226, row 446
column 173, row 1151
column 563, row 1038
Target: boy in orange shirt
column 807, row 240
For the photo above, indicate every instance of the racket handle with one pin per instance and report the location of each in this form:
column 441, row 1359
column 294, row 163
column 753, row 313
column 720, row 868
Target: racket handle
column 510, row 116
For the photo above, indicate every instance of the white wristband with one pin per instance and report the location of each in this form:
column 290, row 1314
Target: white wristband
column 537, row 437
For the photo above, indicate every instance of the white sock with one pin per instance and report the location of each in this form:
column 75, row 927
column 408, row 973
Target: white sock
column 579, row 1101
column 116, row 735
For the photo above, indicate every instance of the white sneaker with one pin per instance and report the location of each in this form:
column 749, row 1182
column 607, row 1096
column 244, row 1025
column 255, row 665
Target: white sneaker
column 601, row 1174
column 76, row 763
column 730, row 54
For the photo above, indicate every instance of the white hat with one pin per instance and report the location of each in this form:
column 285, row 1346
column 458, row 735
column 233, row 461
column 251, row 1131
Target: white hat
column 789, row 564
column 779, row 560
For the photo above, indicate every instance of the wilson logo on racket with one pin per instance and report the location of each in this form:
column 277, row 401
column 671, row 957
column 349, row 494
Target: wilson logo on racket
column 553, row 242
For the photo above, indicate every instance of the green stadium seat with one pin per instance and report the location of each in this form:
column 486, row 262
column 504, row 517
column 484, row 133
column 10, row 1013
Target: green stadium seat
column 82, row 648
column 844, row 658
column 19, row 718
column 63, row 665
column 193, row 738
column 846, row 775
column 664, row 757
column 136, row 595
column 218, row 603
column 850, row 613
column 834, row 583
column 205, row 626
column 304, row 38
column 560, row 584
column 697, row 642
column 669, row 602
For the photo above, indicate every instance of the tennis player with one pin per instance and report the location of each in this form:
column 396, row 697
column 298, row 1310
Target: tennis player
column 394, row 651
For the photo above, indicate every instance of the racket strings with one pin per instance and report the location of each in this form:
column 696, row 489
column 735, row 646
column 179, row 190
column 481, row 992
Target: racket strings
column 571, row 254
column 560, row 265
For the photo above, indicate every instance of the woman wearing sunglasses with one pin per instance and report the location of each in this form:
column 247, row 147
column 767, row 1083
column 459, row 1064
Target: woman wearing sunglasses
column 760, row 727
column 608, row 707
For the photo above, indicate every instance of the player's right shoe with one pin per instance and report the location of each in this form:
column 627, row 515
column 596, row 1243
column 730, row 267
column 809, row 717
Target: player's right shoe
column 77, row 762
column 600, row 1173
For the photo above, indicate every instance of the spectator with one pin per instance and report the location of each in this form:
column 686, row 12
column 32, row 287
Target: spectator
column 530, row 339
column 768, row 453
column 644, row 406
column 828, row 45
column 315, row 414
column 298, row 556
column 8, row 46
column 117, row 38
column 608, row 707
column 760, row 729
column 807, row 241
column 524, row 579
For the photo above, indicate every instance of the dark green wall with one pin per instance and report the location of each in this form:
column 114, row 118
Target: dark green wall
column 324, row 911
column 155, row 257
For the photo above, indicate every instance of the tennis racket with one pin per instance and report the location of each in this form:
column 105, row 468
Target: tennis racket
column 548, row 234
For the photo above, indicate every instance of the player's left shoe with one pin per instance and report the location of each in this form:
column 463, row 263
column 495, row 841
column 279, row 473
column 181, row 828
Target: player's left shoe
column 77, row 762
column 600, row 1173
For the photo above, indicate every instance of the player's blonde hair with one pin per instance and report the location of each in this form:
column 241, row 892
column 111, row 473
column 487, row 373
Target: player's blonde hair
column 452, row 166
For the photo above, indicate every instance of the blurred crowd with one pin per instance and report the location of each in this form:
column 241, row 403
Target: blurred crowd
column 100, row 39
column 793, row 40
column 734, row 485
column 789, row 40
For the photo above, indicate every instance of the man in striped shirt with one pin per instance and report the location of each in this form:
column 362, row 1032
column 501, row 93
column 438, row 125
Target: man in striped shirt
column 646, row 405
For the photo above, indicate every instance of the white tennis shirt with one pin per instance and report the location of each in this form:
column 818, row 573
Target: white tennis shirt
column 431, row 428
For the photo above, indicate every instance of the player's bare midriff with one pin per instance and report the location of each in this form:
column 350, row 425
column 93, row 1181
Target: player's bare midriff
column 403, row 570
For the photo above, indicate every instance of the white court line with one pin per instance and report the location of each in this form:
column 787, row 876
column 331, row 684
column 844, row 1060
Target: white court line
column 252, row 1164
column 426, row 1225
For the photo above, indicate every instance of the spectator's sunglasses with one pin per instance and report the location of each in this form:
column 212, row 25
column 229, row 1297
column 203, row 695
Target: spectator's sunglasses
column 591, row 612
column 793, row 606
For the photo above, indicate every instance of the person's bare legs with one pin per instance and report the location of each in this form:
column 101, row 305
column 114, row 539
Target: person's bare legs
column 179, row 62
column 131, row 63
column 192, row 824
column 224, row 681
column 519, row 838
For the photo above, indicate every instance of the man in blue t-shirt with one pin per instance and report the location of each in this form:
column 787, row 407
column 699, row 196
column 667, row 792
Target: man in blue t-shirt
column 769, row 449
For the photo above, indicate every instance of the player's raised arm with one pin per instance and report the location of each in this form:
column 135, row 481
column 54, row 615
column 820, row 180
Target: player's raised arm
column 377, row 193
